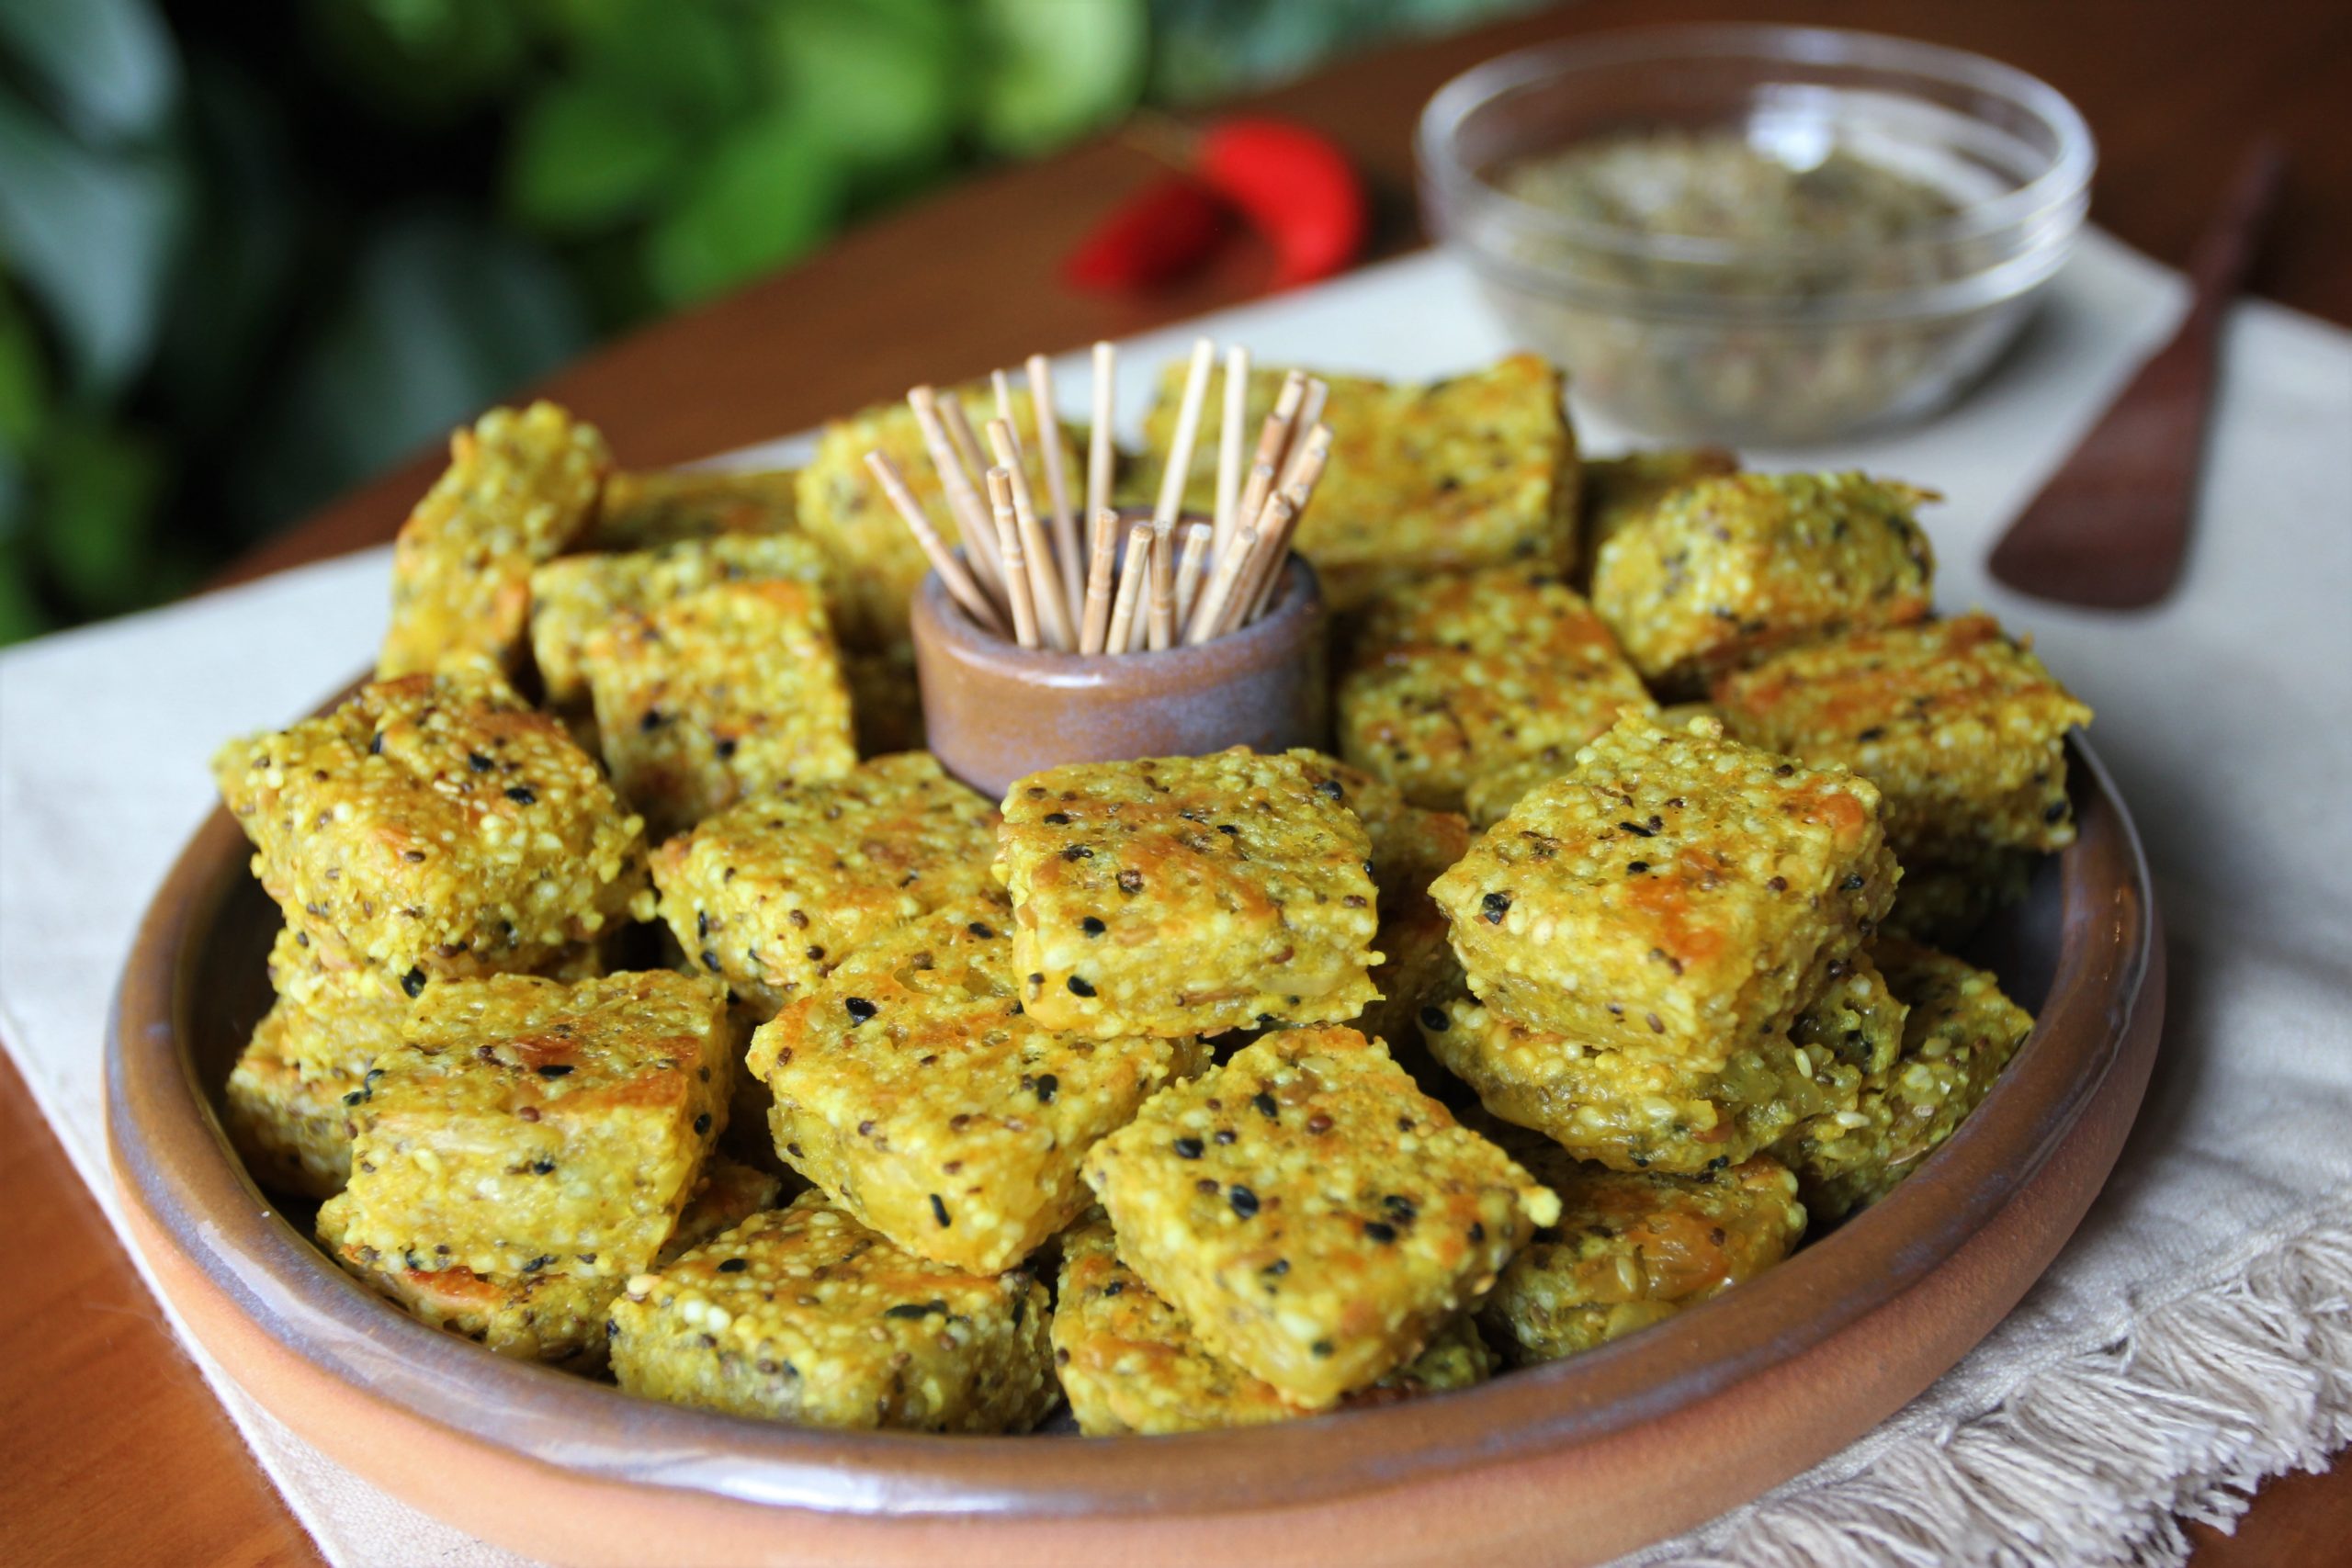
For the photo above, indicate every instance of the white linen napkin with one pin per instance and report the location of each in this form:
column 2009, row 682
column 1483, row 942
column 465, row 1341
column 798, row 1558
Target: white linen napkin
column 2194, row 1338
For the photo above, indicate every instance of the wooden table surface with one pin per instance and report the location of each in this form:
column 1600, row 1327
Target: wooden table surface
column 115, row 1451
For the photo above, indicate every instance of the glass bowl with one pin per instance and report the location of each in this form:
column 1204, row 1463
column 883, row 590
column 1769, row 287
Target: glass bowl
column 1788, row 341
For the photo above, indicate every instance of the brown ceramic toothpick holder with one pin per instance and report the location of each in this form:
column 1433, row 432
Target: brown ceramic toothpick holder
column 996, row 711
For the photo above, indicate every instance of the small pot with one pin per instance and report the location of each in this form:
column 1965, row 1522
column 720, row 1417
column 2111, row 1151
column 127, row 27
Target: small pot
column 996, row 711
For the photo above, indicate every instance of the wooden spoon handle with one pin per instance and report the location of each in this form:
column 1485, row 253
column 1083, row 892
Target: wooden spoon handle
column 2110, row 529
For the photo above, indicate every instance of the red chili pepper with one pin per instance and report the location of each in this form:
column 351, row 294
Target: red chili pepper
column 1295, row 186
column 1155, row 236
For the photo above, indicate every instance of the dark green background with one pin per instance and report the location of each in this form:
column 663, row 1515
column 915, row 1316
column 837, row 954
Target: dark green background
column 251, row 252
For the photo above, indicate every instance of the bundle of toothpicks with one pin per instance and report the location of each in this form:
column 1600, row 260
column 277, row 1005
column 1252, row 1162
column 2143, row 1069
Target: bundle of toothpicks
column 1023, row 572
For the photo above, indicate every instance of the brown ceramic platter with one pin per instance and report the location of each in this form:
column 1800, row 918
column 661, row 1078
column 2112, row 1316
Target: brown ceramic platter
column 1568, row 1463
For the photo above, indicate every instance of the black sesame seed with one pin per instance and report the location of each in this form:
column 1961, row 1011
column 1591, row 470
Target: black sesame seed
column 1078, row 851
column 1265, row 1106
column 1495, row 905
column 734, row 1265
column 1244, row 1201
column 1078, row 987
column 1379, row 1231
column 477, row 763
column 522, row 797
column 1778, row 885
column 542, row 1167
column 1854, row 883
column 917, row 1309
column 1228, row 829
column 1223, row 1135
column 1057, row 818
column 1477, row 1231
column 1635, row 867
column 859, row 1011
column 725, row 746
column 2057, row 812
column 1322, row 1349
column 1048, row 1085
column 1637, row 829
column 1091, row 926
column 541, row 1262
column 1188, row 1148
column 982, row 930
column 1332, row 788
column 701, row 1123
column 375, row 744
column 1434, row 1017
column 650, row 720
column 412, row 983
column 555, row 1070
column 711, row 960
column 1277, row 1269
column 939, row 1211
column 1400, row 1208
column 1875, row 732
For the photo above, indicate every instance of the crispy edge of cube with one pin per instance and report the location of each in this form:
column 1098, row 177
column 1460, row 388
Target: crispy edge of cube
column 1655, row 581
column 405, row 1195
column 284, row 807
column 1959, row 1035
column 695, row 1332
column 1632, row 1249
column 714, row 911
column 287, row 1119
column 1990, row 773
column 856, row 1067
column 554, row 1318
column 1129, row 1362
column 1325, row 1329
column 521, row 485
column 1635, row 949
column 678, row 757
column 1132, row 994
column 573, row 596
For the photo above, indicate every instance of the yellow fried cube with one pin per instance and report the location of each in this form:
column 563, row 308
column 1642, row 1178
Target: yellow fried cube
column 1187, row 895
column 437, row 825
column 1960, row 1032
column 1631, row 1110
column 1314, row 1215
column 531, row 1125
column 1618, row 490
column 911, row 1086
column 548, row 1315
column 572, row 598
column 717, row 694
column 841, row 506
column 1633, row 1249
column 1455, row 676
column 1722, row 572
column 287, row 1117
column 520, row 486
column 806, row 1317
column 1130, row 1362
column 646, row 510
column 772, row 892
column 1680, row 893
column 1962, row 730
column 1478, row 470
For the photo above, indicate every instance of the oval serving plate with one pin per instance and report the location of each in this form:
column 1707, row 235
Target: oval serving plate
column 1568, row 1463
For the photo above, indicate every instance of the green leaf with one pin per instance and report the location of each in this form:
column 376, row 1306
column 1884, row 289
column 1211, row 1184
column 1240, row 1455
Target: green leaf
column 227, row 306
column 98, row 489
column 589, row 154
column 880, row 84
column 691, row 57
column 24, row 379
column 107, row 67
column 21, row 616
column 1054, row 70
column 766, row 194
column 93, row 236
column 442, row 316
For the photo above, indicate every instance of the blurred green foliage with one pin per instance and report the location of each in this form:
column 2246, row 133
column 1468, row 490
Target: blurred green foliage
column 249, row 254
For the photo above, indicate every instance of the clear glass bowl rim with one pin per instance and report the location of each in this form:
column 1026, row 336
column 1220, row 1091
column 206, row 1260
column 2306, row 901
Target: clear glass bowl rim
column 2061, row 183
